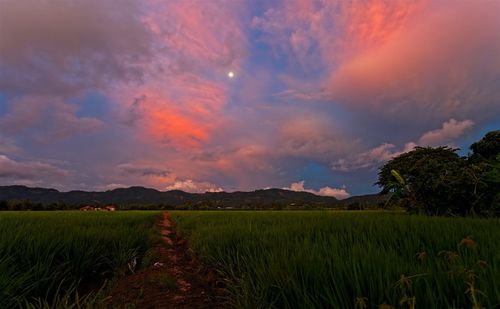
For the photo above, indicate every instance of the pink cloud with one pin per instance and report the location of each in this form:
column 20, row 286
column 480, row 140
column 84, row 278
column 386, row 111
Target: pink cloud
column 369, row 24
column 405, row 59
column 447, row 61
column 197, row 36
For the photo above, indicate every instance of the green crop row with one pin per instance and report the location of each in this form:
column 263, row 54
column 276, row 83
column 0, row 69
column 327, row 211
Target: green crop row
column 46, row 258
column 349, row 260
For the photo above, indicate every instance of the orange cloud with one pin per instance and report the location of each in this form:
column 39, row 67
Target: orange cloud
column 184, row 116
column 169, row 126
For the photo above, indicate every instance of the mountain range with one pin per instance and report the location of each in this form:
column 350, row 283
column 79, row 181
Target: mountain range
column 144, row 196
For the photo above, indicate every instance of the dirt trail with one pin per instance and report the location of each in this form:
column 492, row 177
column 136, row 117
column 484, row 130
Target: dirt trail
column 174, row 280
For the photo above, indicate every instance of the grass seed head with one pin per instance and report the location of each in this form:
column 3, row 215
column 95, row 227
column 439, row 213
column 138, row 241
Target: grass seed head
column 410, row 301
column 450, row 256
column 468, row 242
column 404, row 282
column 360, row 303
column 482, row 264
column 421, row 256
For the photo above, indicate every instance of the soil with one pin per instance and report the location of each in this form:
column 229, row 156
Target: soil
column 176, row 279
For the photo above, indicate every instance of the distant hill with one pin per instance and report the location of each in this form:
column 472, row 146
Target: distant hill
column 143, row 196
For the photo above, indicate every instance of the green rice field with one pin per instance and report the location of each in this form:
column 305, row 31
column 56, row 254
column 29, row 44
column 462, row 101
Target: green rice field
column 349, row 259
column 268, row 259
column 46, row 257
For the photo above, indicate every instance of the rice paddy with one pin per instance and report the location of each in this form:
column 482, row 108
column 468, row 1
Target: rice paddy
column 349, row 259
column 269, row 259
column 47, row 257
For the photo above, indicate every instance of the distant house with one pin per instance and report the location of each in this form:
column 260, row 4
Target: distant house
column 110, row 208
column 88, row 208
column 93, row 208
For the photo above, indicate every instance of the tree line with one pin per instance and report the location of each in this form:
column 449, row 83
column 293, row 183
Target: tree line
column 26, row 204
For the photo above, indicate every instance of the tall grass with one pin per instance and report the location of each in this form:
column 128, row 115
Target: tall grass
column 349, row 260
column 45, row 257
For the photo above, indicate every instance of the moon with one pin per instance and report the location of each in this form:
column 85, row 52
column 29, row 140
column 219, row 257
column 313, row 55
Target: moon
column 230, row 74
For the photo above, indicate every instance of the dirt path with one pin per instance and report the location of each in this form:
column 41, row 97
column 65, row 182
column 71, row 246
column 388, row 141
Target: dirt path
column 174, row 280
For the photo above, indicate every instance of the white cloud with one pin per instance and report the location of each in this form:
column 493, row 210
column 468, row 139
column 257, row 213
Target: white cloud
column 340, row 193
column 449, row 131
column 189, row 185
column 111, row 186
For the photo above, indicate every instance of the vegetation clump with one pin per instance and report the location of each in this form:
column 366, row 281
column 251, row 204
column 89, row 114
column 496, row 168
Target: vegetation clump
column 437, row 181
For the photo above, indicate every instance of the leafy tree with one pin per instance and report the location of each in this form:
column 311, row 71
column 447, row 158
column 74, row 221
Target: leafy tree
column 488, row 147
column 488, row 178
column 432, row 181
column 485, row 168
column 437, row 181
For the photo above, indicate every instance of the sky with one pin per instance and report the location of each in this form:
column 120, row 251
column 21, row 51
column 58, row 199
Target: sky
column 211, row 95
